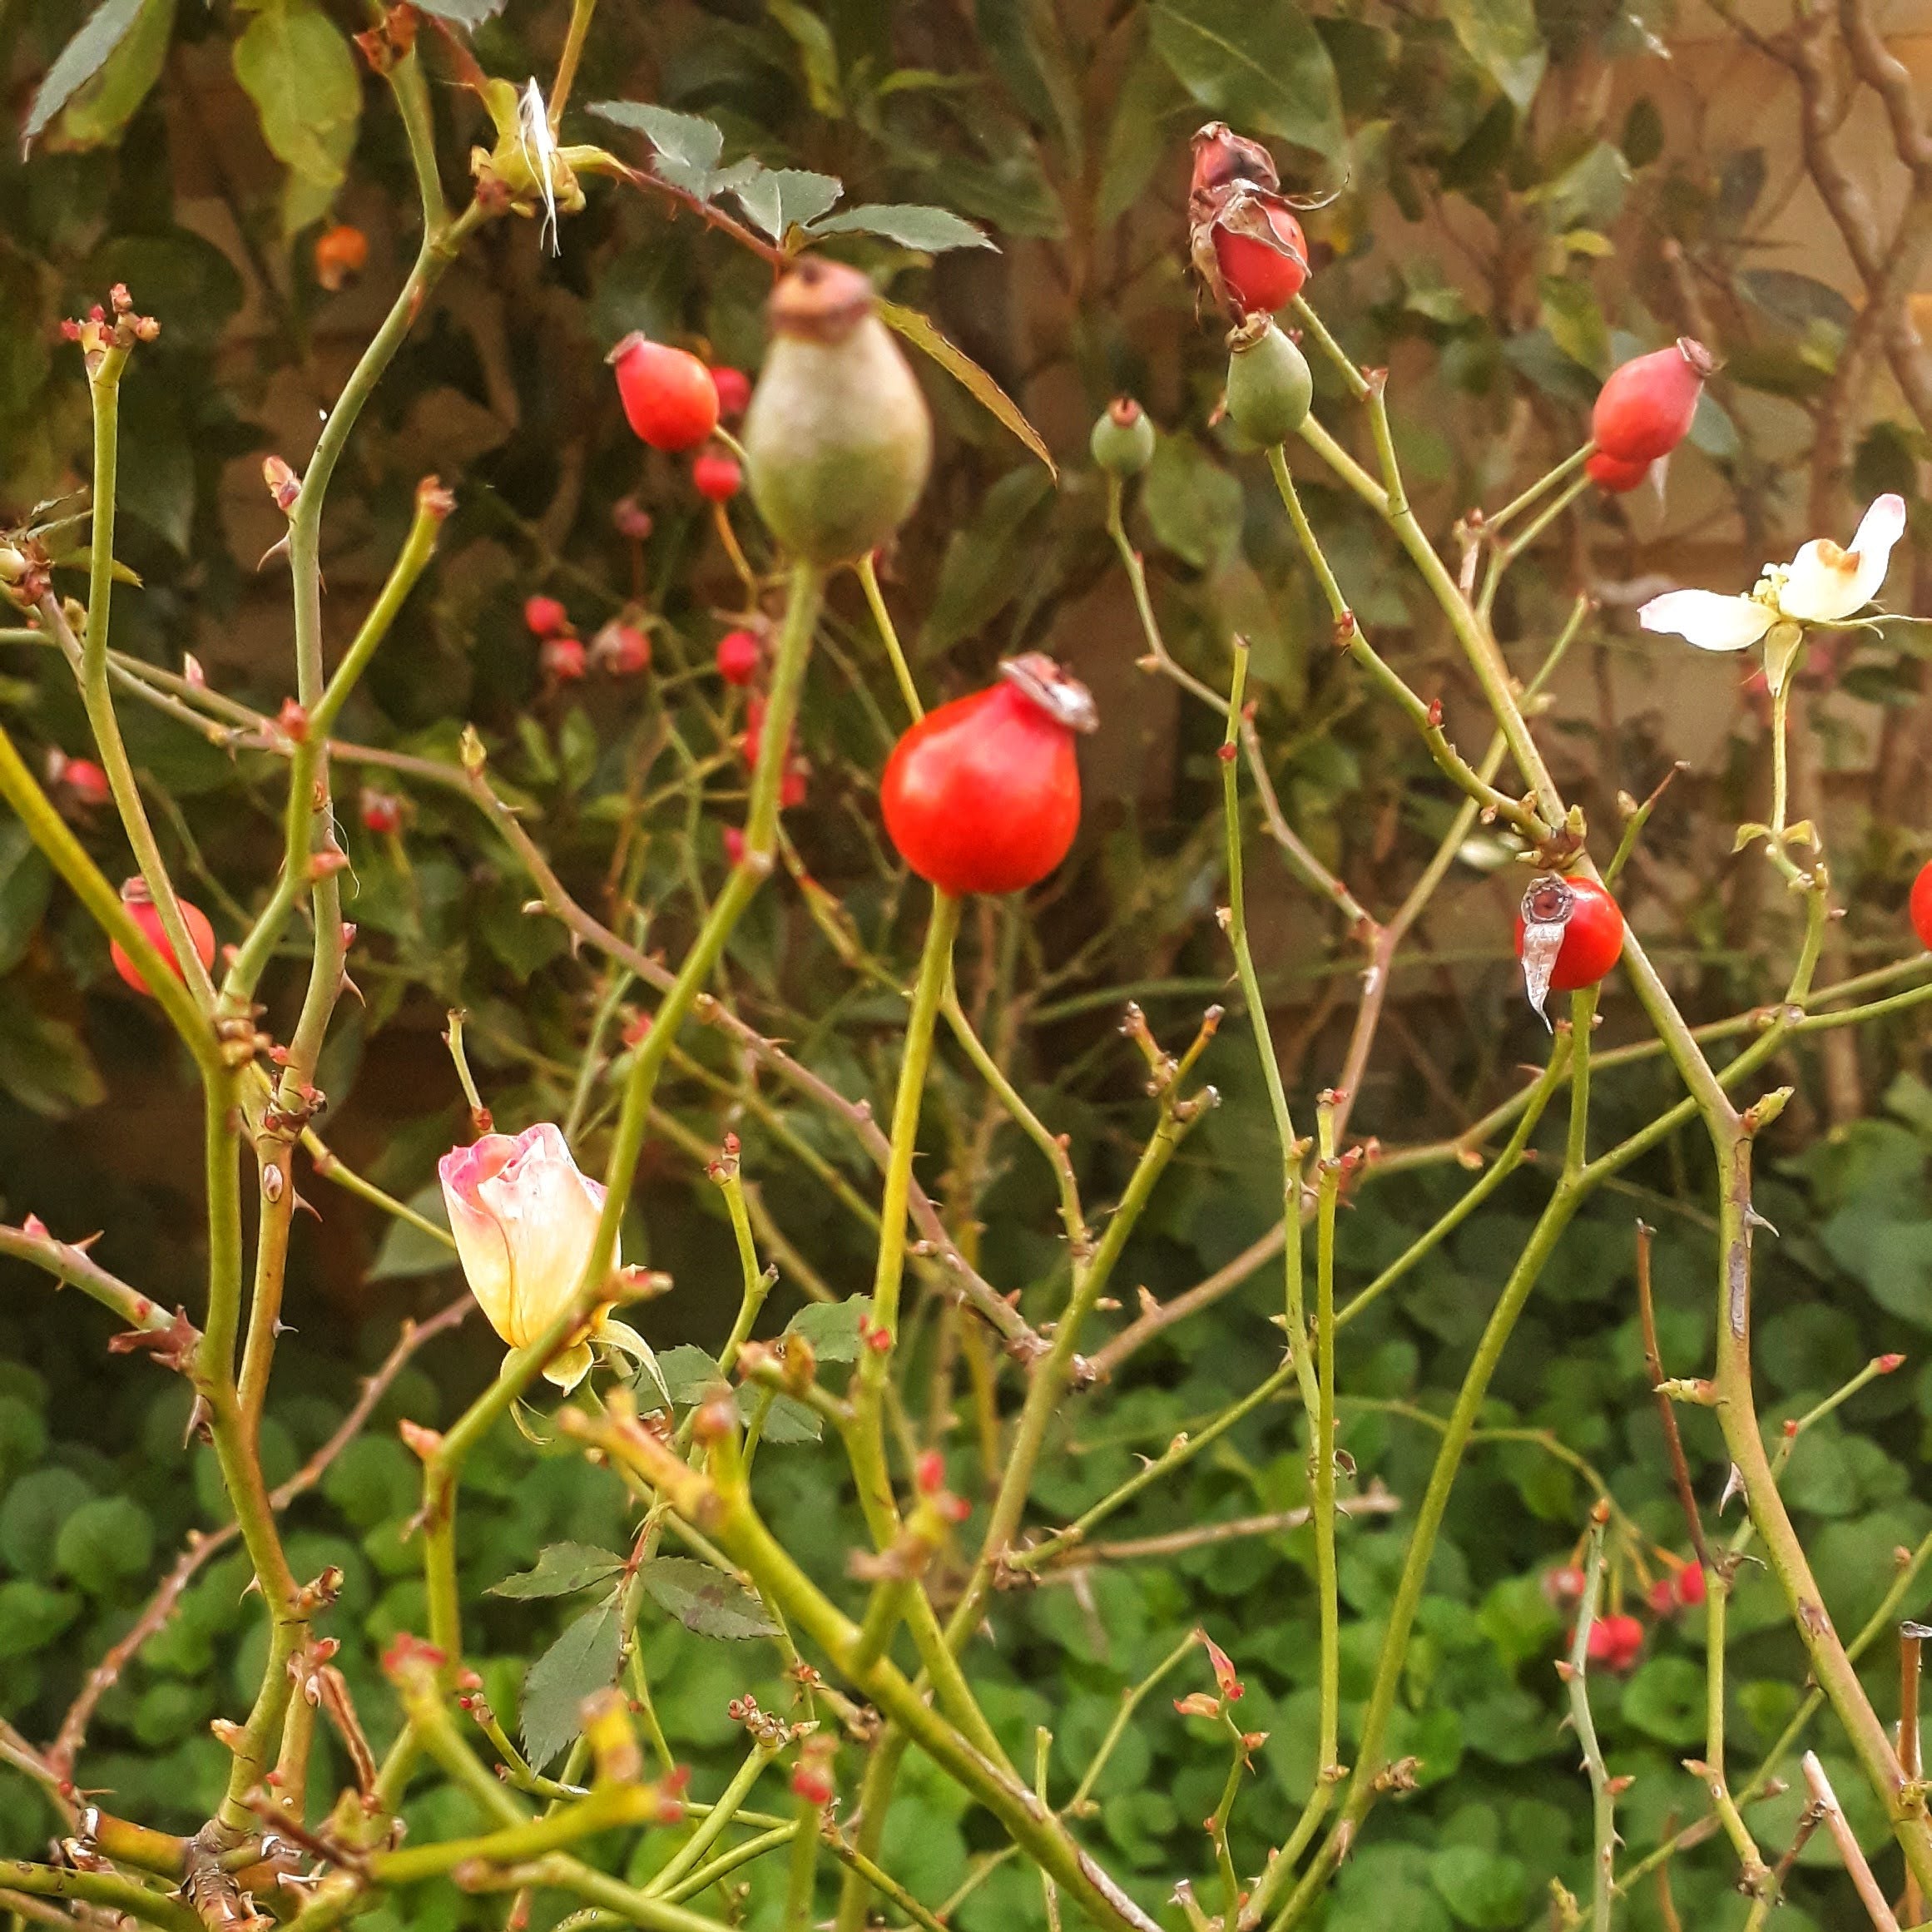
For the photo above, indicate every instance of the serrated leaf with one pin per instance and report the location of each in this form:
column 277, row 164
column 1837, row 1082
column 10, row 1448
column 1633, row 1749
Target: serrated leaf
column 1258, row 64
column 688, row 1374
column 464, row 12
column 104, row 106
column 688, row 145
column 706, row 1600
column 561, row 1569
column 77, row 63
column 910, row 224
column 777, row 200
column 582, row 1663
column 832, row 1327
column 789, row 1421
column 922, row 335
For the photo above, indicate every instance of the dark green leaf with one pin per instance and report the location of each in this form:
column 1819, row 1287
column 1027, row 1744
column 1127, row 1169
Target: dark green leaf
column 1258, row 64
column 1502, row 37
column 582, row 1663
column 832, row 1327
column 1194, row 505
column 932, row 230
column 778, row 199
column 1147, row 115
column 32, row 1616
column 78, row 61
column 1484, row 1889
column 561, row 1569
column 103, row 1543
column 1797, row 301
column 31, row 1516
column 1666, row 1700
column 688, row 146
column 919, row 332
column 1023, row 39
column 1576, row 323
column 44, row 1063
column 706, row 1600
column 818, row 54
column 96, row 116
column 26, row 885
column 787, row 1420
column 407, row 1249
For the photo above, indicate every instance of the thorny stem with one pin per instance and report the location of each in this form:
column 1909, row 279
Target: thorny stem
column 1603, row 1799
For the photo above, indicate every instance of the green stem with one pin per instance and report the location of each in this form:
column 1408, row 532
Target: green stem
column 875, row 597
column 712, row 1827
column 1323, row 1451
column 1604, row 1801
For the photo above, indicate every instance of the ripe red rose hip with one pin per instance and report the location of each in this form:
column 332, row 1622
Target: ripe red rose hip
column 738, row 657
column 86, row 782
column 1261, row 251
column 545, row 616
column 717, row 475
column 1644, row 410
column 984, row 794
column 382, row 811
column 1612, row 475
column 1615, row 1642
column 622, row 649
column 1568, row 934
column 669, row 397
column 1922, row 906
column 141, row 909
column 733, row 388
column 563, row 659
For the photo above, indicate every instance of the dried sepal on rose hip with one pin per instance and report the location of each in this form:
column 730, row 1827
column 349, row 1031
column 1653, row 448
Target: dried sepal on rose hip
column 1243, row 238
column 838, row 439
column 984, row 794
column 1569, row 933
column 146, row 914
column 1644, row 410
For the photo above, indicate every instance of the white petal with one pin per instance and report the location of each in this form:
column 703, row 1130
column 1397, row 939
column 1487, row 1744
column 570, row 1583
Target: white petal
column 1707, row 620
column 480, row 1242
column 548, row 1213
column 1825, row 584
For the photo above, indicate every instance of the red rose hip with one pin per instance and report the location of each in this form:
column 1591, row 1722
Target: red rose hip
column 1261, row 251
column 141, row 909
column 382, row 811
column 545, row 616
column 1615, row 1642
column 563, row 659
column 1612, row 475
column 622, row 649
column 984, row 794
column 1644, row 410
column 738, row 657
column 669, row 397
column 717, row 475
column 1921, row 906
column 733, row 388
column 1568, row 934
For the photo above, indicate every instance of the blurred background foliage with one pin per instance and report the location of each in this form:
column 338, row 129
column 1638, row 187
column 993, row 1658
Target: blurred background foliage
column 1523, row 195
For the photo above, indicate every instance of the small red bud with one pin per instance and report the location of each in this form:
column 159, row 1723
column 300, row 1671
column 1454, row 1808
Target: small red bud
column 738, row 657
column 86, row 782
column 717, row 475
column 292, row 721
column 929, row 1472
column 1886, row 1364
column 545, row 616
column 734, row 843
column 341, row 254
column 1435, row 714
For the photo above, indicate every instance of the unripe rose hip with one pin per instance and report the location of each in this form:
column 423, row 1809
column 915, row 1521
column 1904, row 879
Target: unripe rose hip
column 838, row 439
column 545, row 616
column 1644, row 410
column 717, row 475
column 984, row 794
column 668, row 396
column 142, row 910
column 1269, row 385
column 1612, row 475
column 1122, row 442
column 738, row 657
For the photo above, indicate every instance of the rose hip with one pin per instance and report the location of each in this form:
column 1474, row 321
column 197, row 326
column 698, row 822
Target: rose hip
column 668, row 396
column 145, row 914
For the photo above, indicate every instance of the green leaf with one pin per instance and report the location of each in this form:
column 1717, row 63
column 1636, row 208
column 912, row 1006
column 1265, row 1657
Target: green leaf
column 44, row 1063
column 1022, row 40
column 977, row 579
column 1258, row 64
column 582, row 1663
column 31, row 1516
column 1194, row 505
column 832, row 1327
column 689, row 1374
column 409, row 1251
column 97, row 115
column 688, row 145
column 777, row 200
column 1665, row 1700
column 78, row 61
column 1147, row 106
column 787, row 1421
column 818, row 55
column 561, row 1569
column 103, row 1543
column 706, row 1600
column 296, row 66
column 910, row 224
column 1483, row 1889
column 32, row 1616
column 1502, row 37
column 1575, row 323
column 922, row 335
column 26, row 885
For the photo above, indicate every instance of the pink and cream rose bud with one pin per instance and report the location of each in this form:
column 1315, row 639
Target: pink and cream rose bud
column 525, row 1220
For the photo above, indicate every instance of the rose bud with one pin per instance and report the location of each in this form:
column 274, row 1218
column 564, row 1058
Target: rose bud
column 341, row 254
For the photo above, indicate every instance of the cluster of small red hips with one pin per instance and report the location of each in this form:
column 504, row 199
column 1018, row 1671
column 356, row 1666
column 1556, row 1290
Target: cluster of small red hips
column 620, row 647
column 1616, row 1640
